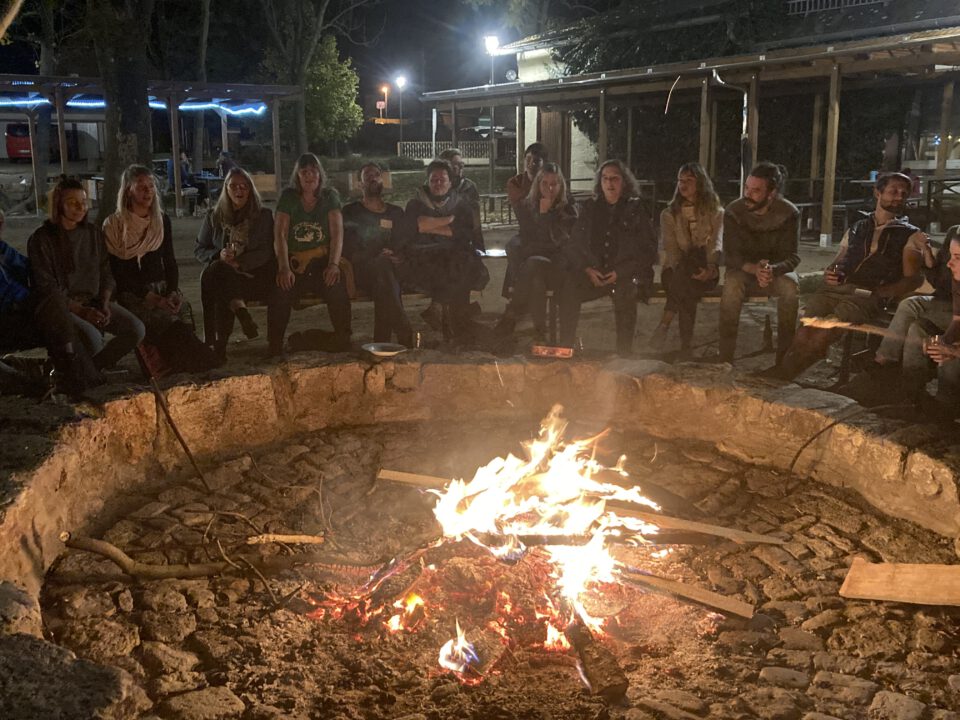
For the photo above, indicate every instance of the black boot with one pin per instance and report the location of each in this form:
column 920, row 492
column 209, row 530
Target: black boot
column 247, row 324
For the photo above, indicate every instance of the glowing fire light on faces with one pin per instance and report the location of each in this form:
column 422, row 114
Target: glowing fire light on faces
column 556, row 491
column 457, row 654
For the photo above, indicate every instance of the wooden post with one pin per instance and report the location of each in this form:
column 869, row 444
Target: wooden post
column 173, row 105
column 706, row 122
column 830, row 164
column 712, row 170
column 224, row 131
column 39, row 181
column 816, row 142
column 602, row 140
column 630, row 120
column 433, row 133
column 493, row 148
column 453, row 123
column 521, row 133
column 946, row 110
column 275, row 119
column 753, row 118
column 59, row 102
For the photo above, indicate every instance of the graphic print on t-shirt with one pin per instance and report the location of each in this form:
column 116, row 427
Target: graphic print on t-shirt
column 308, row 233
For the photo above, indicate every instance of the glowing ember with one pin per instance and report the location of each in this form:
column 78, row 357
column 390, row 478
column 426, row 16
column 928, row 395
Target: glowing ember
column 457, row 654
column 413, row 611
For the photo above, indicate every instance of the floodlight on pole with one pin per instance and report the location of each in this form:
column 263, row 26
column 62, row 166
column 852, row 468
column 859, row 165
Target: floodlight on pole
column 492, row 42
column 400, row 82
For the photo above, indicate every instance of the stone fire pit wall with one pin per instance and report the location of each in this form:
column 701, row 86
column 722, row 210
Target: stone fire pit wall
column 94, row 460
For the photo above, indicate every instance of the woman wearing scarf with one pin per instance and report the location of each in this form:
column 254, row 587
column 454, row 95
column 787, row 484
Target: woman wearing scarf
column 308, row 244
column 74, row 292
column 140, row 242
column 235, row 245
column 442, row 244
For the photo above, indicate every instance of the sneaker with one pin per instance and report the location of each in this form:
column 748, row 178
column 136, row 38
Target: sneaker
column 247, row 324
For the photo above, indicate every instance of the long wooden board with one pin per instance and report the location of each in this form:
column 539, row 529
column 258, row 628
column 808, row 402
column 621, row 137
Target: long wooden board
column 621, row 508
column 903, row 582
column 692, row 592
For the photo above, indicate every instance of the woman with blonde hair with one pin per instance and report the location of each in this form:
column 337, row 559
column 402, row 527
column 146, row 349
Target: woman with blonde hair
column 691, row 228
column 235, row 245
column 139, row 240
column 308, row 243
column 546, row 217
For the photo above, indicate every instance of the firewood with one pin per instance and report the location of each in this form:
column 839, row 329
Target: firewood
column 600, row 667
column 903, row 582
column 691, row 592
column 291, row 539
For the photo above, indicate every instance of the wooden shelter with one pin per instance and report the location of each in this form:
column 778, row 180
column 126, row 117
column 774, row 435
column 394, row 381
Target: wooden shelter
column 924, row 58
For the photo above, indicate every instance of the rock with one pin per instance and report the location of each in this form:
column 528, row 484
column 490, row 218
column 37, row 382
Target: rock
column 19, row 611
column 176, row 683
column 819, row 716
column 665, row 710
column 773, row 703
column 842, row 688
column 215, row 647
column 41, row 680
column 160, row 657
column 846, row 664
column 894, row 706
column 86, row 602
column 683, row 700
column 777, row 588
column 444, row 691
column 99, row 639
column 791, row 611
column 214, row 703
column 796, row 639
column 954, row 682
column 375, row 380
column 124, row 600
column 745, row 640
column 783, row 677
column 150, row 510
column 169, row 627
column 822, row 622
column 163, row 597
column 795, row 659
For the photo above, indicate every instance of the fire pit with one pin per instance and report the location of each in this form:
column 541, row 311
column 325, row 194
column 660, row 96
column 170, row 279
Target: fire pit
column 339, row 593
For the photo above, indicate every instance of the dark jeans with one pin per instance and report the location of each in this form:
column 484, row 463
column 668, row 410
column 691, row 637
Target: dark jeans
column 443, row 270
column 280, row 303
column 683, row 296
column 533, row 277
column 576, row 289
column 514, row 261
column 379, row 277
column 736, row 286
column 220, row 284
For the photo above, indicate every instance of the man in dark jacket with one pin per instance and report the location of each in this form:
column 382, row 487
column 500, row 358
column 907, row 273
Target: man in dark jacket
column 761, row 234
column 880, row 262
column 612, row 251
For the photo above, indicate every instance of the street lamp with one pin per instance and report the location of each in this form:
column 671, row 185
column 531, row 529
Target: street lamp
column 492, row 42
column 400, row 82
column 385, row 89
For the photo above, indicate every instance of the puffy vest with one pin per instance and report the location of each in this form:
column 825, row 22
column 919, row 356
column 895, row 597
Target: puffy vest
column 884, row 266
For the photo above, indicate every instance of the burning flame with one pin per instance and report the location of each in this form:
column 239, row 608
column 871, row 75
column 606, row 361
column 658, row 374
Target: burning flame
column 412, row 611
column 458, row 654
column 557, row 492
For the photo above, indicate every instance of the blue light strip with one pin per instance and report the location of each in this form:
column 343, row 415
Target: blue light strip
column 33, row 102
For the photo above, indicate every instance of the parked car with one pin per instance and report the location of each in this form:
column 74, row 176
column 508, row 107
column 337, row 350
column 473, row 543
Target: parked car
column 18, row 142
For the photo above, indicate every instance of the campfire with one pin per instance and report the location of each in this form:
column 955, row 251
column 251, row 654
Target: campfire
column 526, row 561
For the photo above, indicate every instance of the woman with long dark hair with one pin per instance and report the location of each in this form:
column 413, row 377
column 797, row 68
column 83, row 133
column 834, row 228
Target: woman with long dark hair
column 235, row 245
column 139, row 239
column 546, row 217
column 308, row 243
column 75, row 289
column 691, row 228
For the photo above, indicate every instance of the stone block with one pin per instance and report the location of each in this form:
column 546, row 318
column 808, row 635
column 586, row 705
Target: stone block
column 19, row 611
column 214, row 703
column 784, row 677
column 894, row 706
column 846, row 689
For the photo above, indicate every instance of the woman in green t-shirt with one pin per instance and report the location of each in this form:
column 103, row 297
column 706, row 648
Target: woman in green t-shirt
column 308, row 241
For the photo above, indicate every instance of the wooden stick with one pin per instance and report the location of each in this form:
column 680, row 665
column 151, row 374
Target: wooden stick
column 691, row 592
column 600, row 666
column 832, row 324
column 903, row 582
column 162, row 401
column 290, row 539
column 620, row 507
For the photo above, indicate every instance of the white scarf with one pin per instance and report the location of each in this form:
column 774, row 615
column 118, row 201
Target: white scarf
column 130, row 236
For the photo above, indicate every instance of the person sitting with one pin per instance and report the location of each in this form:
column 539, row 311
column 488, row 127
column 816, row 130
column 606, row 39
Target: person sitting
column 369, row 225
column 945, row 351
column 691, row 228
column 308, row 244
column 235, row 245
column 139, row 240
column 879, row 262
column 518, row 189
column 546, row 219
column 761, row 237
column 189, row 179
column 74, row 287
column 442, row 242
column 612, row 251
column 225, row 163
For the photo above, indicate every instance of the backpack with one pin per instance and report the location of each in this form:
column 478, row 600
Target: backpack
column 14, row 279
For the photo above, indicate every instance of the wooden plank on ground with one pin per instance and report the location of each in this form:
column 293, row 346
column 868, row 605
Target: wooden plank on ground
column 624, row 509
column 903, row 582
column 692, row 592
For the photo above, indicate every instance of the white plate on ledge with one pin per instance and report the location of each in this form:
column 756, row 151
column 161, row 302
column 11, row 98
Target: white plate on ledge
column 384, row 349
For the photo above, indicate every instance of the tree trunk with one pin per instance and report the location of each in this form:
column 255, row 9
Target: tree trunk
column 301, row 108
column 119, row 31
column 48, row 66
column 198, row 144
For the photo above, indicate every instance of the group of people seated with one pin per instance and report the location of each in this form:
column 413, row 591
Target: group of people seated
column 121, row 280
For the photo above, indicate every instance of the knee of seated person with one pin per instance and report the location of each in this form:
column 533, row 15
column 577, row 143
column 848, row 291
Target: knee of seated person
column 787, row 287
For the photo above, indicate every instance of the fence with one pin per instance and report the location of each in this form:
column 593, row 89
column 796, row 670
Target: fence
column 424, row 149
column 802, row 7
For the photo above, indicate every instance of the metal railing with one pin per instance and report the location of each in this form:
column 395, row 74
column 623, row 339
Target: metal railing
column 424, row 149
column 802, row 7
column 943, row 201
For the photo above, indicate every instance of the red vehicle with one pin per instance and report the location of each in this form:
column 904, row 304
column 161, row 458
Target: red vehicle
column 18, row 141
